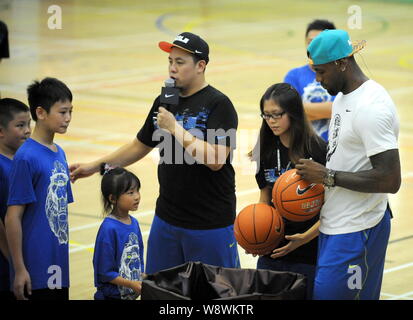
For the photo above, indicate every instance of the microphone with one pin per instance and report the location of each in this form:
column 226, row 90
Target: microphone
column 169, row 94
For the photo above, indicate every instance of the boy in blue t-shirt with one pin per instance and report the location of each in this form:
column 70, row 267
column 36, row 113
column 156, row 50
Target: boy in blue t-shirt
column 36, row 220
column 316, row 100
column 14, row 131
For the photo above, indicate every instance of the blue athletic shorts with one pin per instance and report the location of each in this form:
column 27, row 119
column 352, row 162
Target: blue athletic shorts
column 350, row 266
column 170, row 246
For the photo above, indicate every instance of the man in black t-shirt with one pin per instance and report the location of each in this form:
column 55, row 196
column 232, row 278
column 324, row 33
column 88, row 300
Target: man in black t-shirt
column 195, row 210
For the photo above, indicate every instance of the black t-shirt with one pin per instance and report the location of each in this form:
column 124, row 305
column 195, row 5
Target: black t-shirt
column 266, row 177
column 191, row 195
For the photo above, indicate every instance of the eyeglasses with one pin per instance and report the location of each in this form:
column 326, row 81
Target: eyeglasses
column 272, row 116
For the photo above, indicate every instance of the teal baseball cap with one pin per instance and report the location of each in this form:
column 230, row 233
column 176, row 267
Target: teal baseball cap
column 332, row 45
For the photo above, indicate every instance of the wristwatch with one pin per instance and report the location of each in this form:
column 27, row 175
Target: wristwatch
column 329, row 180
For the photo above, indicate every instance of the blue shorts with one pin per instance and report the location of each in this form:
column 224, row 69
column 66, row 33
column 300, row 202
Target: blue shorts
column 350, row 266
column 170, row 246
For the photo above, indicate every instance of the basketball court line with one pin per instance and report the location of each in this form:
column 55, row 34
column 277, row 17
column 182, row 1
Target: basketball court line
column 404, row 296
column 128, row 43
column 95, row 224
column 101, row 82
column 78, row 247
column 401, row 267
column 238, row 194
column 147, row 213
column 401, row 239
column 84, row 215
column 89, row 247
column 20, row 88
column 221, row 31
column 140, row 75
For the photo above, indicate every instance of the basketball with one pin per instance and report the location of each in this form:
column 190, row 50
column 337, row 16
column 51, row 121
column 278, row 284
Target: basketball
column 259, row 228
column 295, row 198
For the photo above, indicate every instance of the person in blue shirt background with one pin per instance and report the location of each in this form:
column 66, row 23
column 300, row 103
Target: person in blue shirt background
column 39, row 194
column 14, row 131
column 316, row 100
column 118, row 256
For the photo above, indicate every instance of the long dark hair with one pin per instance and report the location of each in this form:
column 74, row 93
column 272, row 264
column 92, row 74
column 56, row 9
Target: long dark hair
column 301, row 131
column 116, row 182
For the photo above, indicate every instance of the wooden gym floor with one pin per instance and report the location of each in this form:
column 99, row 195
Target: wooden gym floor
column 106, row 52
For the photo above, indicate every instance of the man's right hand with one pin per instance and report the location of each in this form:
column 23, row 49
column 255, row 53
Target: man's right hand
column 82, row 170
column 21, row 281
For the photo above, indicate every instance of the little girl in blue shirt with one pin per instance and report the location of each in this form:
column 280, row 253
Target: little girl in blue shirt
column 118, row 255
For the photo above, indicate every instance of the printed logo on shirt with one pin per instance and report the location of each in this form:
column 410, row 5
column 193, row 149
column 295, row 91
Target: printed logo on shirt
column 314, row 92
column 188, row 120
column 271, row 175
column 354, row 281
column 130, row 266
column 333, row 140
column 55, row 280
column 56, row 202
column 193, row 121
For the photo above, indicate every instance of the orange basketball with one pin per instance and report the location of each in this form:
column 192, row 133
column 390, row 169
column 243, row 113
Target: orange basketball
column 259, row 228
column 295, row 198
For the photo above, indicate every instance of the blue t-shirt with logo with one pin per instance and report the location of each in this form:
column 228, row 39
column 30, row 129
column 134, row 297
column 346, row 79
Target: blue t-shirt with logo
column 118, row 252
column 304, row 81
column 5, row 167
column 39, row 179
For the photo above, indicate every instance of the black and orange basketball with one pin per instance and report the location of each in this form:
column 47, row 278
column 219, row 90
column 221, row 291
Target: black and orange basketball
column 295, row 198
column 259, row 228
